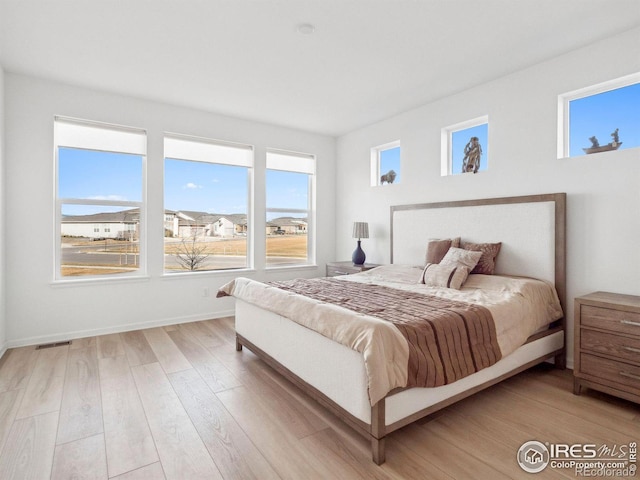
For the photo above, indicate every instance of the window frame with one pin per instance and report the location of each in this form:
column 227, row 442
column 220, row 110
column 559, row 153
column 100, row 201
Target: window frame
column 200, row 155
column 309, row 167
column 564, row 99
column 375, row 160
column 446, row 142
column 63, row 138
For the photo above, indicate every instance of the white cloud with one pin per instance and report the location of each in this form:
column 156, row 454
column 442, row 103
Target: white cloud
column 192, row 186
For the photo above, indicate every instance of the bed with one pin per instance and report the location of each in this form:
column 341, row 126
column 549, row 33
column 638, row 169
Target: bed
column 358, row 376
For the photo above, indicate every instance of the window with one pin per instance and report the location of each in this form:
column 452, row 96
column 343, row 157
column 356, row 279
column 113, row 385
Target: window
column 100, row 171
column 465, row 147
column 385, row 164
column 290, row 179
column 207, row 187
column 600, row 118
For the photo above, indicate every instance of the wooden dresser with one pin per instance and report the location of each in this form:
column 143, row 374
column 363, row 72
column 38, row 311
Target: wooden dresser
column 607, row 344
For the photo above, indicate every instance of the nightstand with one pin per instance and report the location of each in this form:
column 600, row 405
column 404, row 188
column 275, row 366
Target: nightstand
column 335, row 269
column 607, row 344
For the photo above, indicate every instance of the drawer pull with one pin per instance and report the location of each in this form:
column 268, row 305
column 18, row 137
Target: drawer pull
column 630, row 375
column 629, row 322
column 631, row 349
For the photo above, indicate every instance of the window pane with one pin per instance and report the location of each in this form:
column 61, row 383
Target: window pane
column 464, row 149
column 601, row 115
column 96, row 175
column 206, row 207
column 286, row 238
column 390, row 165
column 287, row 190
column 287, row 230
column 99, row 240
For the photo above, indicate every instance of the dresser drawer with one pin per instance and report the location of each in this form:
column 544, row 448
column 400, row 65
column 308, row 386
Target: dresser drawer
column 617, row 321
column 610, row 371
column 625, row 348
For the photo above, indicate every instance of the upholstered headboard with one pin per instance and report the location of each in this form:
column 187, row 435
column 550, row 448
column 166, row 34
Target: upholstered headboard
column 531, row 229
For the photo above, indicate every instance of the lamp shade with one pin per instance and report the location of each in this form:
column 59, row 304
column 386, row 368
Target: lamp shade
column 360, row 230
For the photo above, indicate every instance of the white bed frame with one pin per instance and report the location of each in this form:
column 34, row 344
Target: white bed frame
column 532, row 229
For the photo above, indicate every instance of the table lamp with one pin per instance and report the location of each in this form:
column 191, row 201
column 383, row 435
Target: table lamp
column 360, row 230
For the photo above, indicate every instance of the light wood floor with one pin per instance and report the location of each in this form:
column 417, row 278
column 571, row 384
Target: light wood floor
column 180, row 402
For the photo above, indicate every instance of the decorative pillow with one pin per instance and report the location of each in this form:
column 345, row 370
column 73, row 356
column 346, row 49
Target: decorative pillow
column 448, row 276
column 437, row 249
column 487, row 262
column 461, row 257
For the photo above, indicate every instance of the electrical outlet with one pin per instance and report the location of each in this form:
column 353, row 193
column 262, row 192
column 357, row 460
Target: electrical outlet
column 205, row 292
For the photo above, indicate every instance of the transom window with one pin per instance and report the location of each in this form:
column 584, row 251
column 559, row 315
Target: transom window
column 385, row 164
column 100, row 209
column 465, row 147
column 600, row 118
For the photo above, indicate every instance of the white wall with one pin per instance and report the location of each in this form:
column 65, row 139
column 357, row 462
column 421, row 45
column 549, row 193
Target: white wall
column 3, row 302
column 38, row 310
column 603, row 190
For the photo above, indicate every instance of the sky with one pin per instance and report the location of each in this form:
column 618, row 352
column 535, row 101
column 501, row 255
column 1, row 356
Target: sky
column 599, row 115
column 216, row 188
column 93, row 175
column 194, row 186
column 390, row 160
column 287, row 190
column 459, row 140
column 205, row 187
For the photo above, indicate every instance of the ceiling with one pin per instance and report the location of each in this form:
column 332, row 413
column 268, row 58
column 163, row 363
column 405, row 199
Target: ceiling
column 365, row 61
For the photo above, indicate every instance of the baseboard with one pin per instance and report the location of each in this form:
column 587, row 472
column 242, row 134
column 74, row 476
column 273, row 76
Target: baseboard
column 59, row 337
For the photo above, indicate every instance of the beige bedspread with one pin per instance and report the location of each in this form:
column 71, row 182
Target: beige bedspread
column 448, row 340
column 518, row 306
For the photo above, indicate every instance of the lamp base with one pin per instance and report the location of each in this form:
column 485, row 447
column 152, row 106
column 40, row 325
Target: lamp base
column 358, row 256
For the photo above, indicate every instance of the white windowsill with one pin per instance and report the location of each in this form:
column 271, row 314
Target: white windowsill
column 291, row 267
column 78, row 282
column 206, row 273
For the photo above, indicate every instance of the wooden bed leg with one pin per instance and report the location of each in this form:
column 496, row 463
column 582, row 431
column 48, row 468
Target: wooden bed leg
column 560, row 361
column 378, row 432
column 377, row 450
column 238, row 345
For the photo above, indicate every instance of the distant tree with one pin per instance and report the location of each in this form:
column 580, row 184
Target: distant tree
column 191, row 254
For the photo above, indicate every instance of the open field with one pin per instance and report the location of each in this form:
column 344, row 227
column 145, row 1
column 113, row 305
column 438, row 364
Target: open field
column 277, row 246
column 81, row 257
column 75, row 271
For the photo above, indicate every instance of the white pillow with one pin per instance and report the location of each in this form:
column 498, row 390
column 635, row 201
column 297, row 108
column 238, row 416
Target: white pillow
column 460, row 256
column 448, row 276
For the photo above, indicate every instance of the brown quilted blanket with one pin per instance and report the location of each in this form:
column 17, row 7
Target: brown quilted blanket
column 448, row 340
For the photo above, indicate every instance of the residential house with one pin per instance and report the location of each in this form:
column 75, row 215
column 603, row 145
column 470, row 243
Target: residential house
column 202, row 224
column 121, row 225
column 287, row 225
